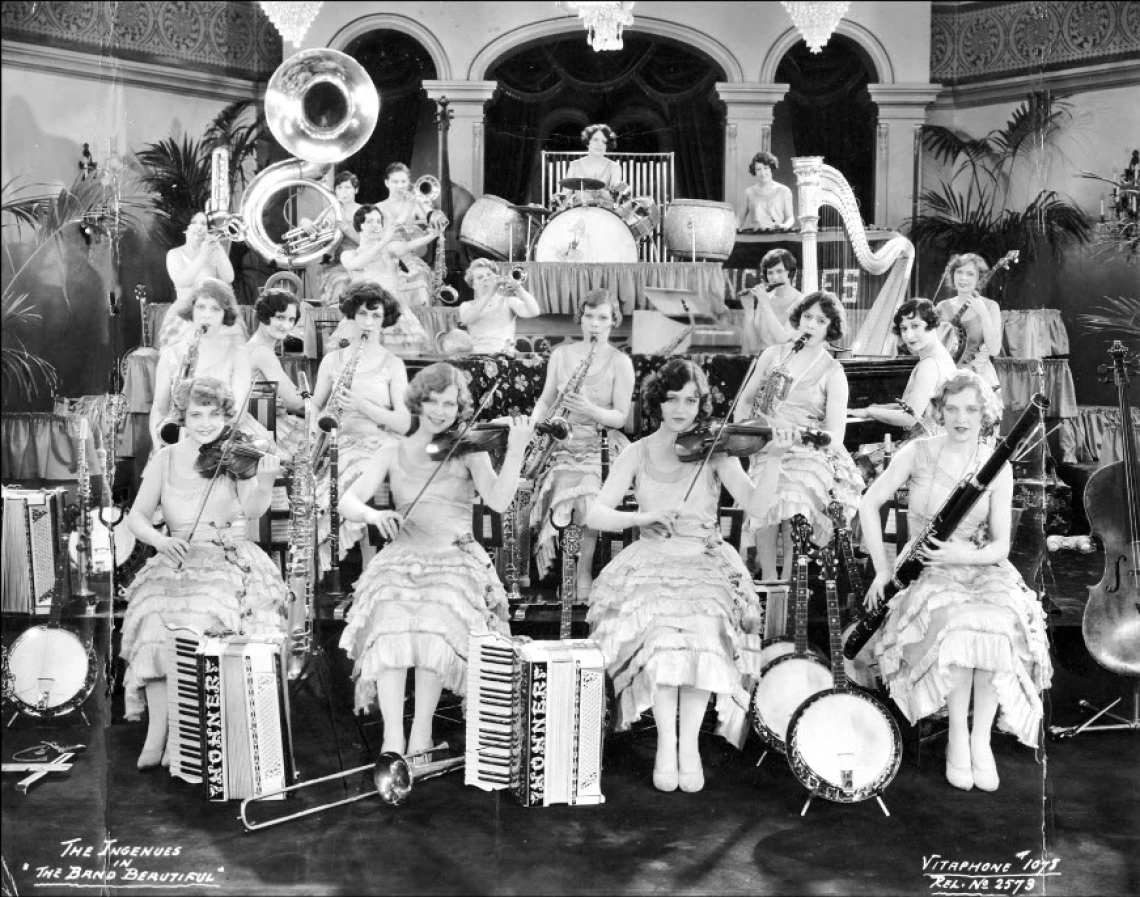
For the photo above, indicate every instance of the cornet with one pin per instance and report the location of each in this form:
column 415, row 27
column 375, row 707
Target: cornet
column 515, row 278
column 427, row 191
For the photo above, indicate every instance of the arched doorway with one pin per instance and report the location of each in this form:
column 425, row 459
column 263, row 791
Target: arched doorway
column 398, row 65
column 658, row 95
column 829, row 112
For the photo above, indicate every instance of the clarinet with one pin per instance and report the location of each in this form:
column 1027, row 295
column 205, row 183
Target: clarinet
column 957, row 505
column 334, row 588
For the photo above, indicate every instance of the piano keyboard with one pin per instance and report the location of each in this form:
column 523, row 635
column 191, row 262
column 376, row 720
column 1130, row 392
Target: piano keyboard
column 184, row 714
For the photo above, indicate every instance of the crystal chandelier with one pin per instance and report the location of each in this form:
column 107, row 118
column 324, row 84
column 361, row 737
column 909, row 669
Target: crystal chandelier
column 292, row 19
column 816, row 20
column 603, row 21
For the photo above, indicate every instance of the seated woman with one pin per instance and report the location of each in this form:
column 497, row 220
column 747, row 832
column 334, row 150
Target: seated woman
column 433, row 584
column 370, row 403
column 596, row 165
column 213, row 347
column 915, row 323
column 334, row 278
column 376, row 261
column 277, row 314
column 208, row 577
column 202, row 256
column 499, row 302
column 407, row 212
column 675, row 614
column 574, row 476
column 767, row 203
column 981, row 317
column 766, row 316
column 804, row 389
column 968, row 625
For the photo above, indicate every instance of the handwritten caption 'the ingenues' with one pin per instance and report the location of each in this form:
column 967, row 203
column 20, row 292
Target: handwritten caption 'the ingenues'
column 94, row 865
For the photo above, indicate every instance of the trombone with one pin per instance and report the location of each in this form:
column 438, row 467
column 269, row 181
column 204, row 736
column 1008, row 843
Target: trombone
column 392, row 777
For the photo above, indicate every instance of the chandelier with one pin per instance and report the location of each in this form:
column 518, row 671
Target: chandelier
column 292, row 19
column 603, row 21
column 816, row 20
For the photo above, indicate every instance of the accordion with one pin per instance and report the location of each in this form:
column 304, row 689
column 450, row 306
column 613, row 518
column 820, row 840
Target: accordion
column 535, row 719
column 229, row 714
column 34, row 553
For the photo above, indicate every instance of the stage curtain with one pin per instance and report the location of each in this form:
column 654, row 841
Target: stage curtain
column 41, row 446
column 558, row 286
column 1034, row 333
column 1095, row 435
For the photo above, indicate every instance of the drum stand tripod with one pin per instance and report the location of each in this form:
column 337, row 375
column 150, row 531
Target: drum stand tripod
column 1122, row 723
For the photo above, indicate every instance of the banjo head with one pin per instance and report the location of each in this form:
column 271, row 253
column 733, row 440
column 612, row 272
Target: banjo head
column 50, row 671
column 784, row 685
column 844, row 745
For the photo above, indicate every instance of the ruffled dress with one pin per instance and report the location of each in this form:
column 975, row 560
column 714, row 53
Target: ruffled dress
column 226, row 581
column 978, row 617
column 428, row 589
column 358, row 440
column 678, row 610
column 574, row 477
column 810, row 478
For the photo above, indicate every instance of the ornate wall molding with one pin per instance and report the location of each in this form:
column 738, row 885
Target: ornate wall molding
column 979, row 43
column 233, row 39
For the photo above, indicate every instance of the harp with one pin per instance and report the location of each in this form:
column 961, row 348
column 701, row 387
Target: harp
column 821, row 185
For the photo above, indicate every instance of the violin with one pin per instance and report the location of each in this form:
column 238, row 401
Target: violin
column 736, row 440
column 237, row 458
column 488, row 437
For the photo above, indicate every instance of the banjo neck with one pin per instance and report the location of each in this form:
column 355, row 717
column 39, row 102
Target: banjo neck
column 834, row 629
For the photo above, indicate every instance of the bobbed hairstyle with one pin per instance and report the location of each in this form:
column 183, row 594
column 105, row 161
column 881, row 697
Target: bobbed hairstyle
column 436, row 378
column 670, row 377
column 469, row 275
column 830, row 305
column 963, row 259
column 960, row 382
column 220, row 292
column 363, row 212
column 597, row 298
column 208, row 391
column 923, row 309
column 346, row 177
column 396, row 167
column 371, row 296
column 274, row 301
column 590, row 130
column 775, row 257
column 763, row 158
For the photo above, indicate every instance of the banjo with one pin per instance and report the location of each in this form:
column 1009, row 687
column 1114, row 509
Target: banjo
column 789, row 679
column 862, row 670
column 843, row 744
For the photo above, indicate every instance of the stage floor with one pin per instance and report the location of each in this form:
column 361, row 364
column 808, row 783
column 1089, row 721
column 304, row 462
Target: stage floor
column 1071, row 803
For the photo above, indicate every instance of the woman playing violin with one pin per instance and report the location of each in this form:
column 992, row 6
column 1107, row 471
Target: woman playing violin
column 499, row 302
column 204, row 577
column 981, row 320
column 373, row 413
column 575, row 473
column 277, row 314
column 675, row 614
column 968, row 625
column 806, row 388
column 433, row 584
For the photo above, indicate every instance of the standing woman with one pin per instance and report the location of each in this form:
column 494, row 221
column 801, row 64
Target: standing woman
column 574, row 476
column 201, row 256
column 371, row 407
column 981, row 319
column 209, row 577
column 968, row 625
column 221, row 351
column 277, row 313
column 675, row 614
column 767, row 203
column 334, row 278
column 803, row 389
column 766, row 316
column 433, row 584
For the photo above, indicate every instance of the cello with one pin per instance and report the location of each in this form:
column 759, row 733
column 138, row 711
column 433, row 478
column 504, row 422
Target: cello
column 1111, row 624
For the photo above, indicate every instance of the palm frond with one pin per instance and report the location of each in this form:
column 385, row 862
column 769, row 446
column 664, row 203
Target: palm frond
column 179, row 175
column 22, row 372
column 1119, row 316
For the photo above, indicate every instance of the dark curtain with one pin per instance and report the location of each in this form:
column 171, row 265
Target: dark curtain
column 699, row 140
column 512, row 144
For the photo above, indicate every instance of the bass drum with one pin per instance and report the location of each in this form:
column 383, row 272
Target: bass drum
column 697, row 226
column 489, row 226
column 844, row 745
column 590, row 234
column 49, row 670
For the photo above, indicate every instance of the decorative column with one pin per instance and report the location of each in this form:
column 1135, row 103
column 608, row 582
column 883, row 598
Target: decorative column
column 465, row 141
column 902, row 108
column 748, row 130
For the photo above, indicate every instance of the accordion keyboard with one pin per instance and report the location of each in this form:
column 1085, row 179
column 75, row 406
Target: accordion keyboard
column 184, row 741
column 490, row 728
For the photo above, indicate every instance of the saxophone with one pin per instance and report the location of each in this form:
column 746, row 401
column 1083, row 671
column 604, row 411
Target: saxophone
column 82, row 536
column 542, row 446
column 169, row 429
column 302, row 544
column 334, row 407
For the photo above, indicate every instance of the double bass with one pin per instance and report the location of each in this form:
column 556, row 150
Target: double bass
column 1111, row 624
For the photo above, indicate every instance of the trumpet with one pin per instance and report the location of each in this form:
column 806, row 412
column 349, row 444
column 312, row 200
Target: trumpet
column 427, row 191
column 515, row 278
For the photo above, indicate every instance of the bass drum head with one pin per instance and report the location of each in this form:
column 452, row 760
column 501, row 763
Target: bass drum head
column 844, row 745
column 586, row 235
column 784, row 685
column 49, row 671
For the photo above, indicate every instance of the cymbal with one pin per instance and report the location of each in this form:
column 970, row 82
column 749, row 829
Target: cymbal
column 533, row 209
column 582, row 184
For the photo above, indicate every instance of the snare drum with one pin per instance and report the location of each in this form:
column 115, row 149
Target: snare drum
column 589, row 234
column 644, row 217
column 488, row 225
column 701, row 228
